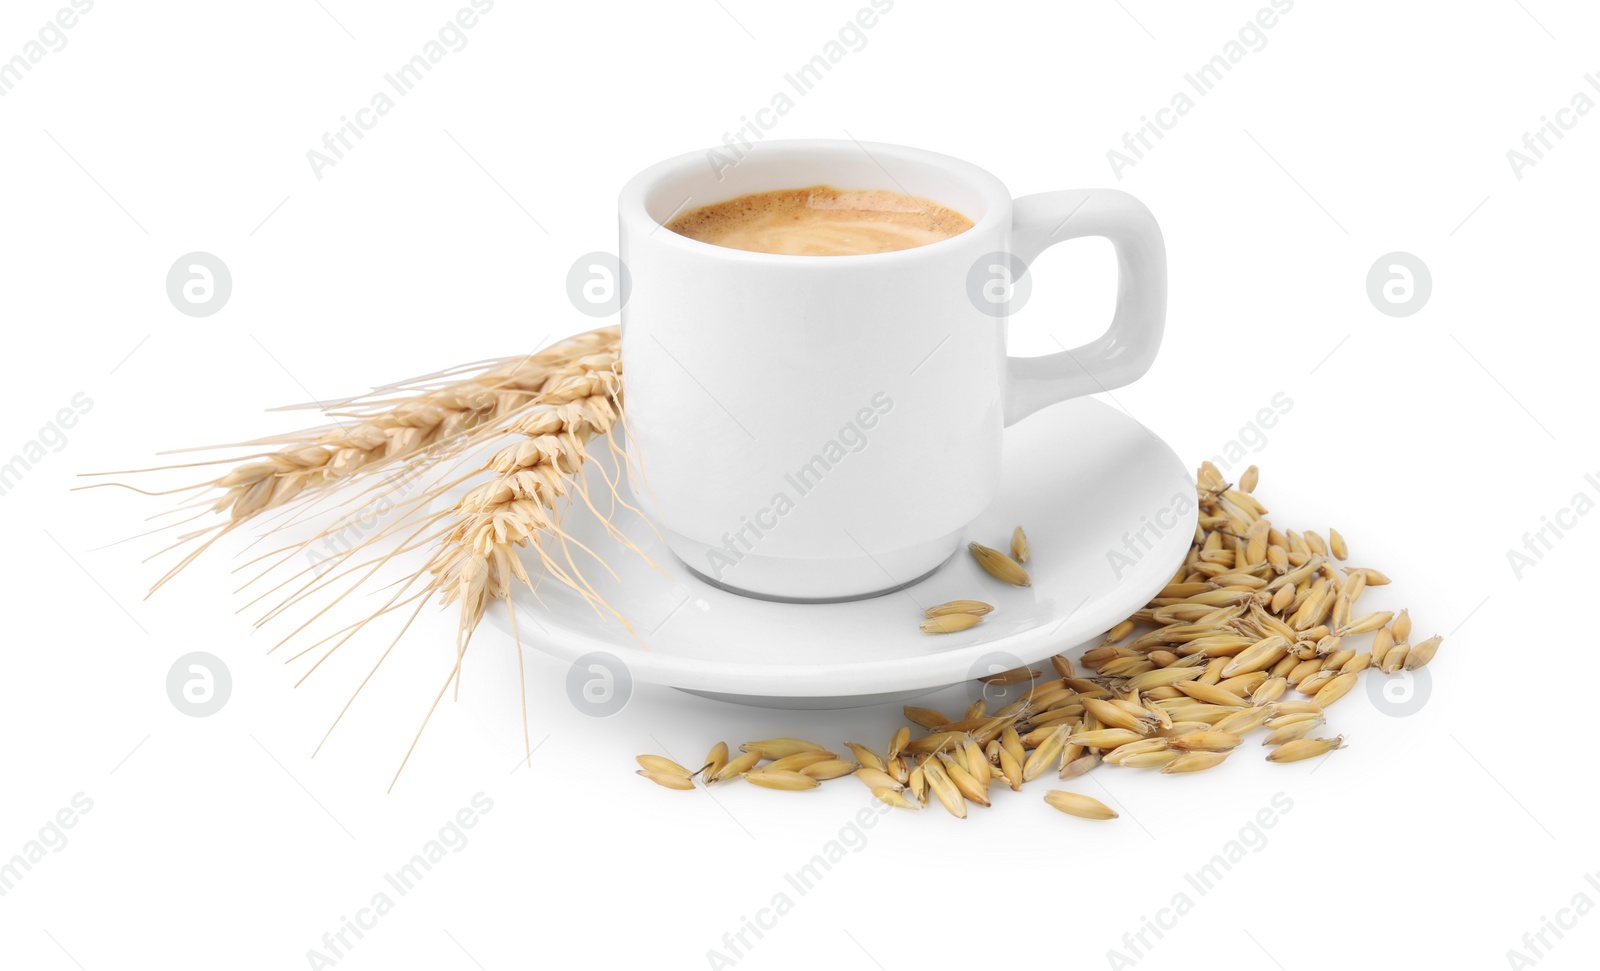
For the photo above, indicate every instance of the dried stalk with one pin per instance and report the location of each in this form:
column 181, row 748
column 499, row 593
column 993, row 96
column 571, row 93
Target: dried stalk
column 552, row 405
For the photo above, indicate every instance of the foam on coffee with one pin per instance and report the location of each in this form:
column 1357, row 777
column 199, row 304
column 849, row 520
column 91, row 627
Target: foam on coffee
column 821, row 221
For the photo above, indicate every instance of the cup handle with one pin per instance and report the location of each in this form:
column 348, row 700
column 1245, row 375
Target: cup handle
column 1125, row 351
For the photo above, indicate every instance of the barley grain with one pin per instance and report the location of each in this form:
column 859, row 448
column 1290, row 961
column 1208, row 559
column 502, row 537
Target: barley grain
column 778, row 748
column 1305, row 748
column 917, row 782
column 798, row 761
column 1368, row 623
column 944, row 790
column 1076, row 767
column 669, row 780
column 1213, row 694
column 1238, row 723
column 959, row 607
column 659, row 763
column 830, row 769
column 1357, row 664
column 1422, row 653
column 1401, row 628
column 1396, row 658
column 738, row 766
column 949, row 623
column 902, row 738
column 924, row 718
column 1212, row 741
column 715, row 760
column 1076, row 804
column 783, row 780
column 929, row 744
column 963, row 780
column 1022, row 675
column 1162, row 677
column 877, row 779
column 1011, row 769
column 1122, row 753
column 1271, row 690
column 1103, row 738
column 1335, row 689
column 977, row 763
column 866, row 756
column 1115, row 716
column 1336, row 544
column 1193, row 762
column 894, row 798
column 1261, row 655
column 1019, row 545
column 999, row 565
column 1041, row 758
column 1149, row 760
column 898, row 770
column 1291, row 731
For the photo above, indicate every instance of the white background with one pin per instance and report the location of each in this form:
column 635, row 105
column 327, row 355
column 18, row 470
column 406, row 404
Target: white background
column 1434, row 442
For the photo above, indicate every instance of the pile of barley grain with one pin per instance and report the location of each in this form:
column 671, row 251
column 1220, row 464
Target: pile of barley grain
column 1251, row 613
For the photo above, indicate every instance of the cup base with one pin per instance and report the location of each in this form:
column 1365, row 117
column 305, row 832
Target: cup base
column 815, row 581
column 782, row 598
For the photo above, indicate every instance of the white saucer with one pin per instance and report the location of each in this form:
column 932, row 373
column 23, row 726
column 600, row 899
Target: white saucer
column 1081, row 478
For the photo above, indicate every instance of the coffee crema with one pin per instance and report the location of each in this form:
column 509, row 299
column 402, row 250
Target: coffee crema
column 821, row 221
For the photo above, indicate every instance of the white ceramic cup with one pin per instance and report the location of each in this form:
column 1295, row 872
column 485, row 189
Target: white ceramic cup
column 815, row 428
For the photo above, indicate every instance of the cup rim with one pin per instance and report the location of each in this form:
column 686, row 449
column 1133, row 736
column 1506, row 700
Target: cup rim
column 631, row 208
